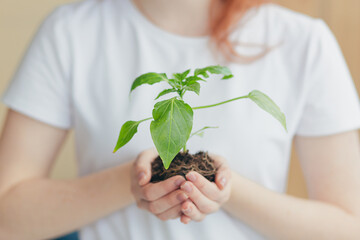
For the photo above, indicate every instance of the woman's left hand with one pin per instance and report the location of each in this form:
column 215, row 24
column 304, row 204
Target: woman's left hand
column 206, row 197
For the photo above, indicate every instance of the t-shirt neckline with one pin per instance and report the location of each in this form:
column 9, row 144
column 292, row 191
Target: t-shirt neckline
column 135, row 13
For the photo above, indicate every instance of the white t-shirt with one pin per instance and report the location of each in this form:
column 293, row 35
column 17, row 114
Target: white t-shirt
column 79, row 68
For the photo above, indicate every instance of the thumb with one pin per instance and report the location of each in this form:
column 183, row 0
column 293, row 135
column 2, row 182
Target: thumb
column 142, row 166
column 223, row 176
column 223, row 172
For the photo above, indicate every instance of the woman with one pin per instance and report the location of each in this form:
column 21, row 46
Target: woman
column 77, row 73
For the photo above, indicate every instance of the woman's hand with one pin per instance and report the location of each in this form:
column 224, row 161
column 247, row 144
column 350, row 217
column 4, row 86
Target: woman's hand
column 206, row 197
column 163, row 199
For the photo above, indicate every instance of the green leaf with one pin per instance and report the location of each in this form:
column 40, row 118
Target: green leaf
column 178, row 80
column 201, row 71
column 192, row 79
column 265, row 102
column 184, row 74
column 200, row 132
column 214, row 70
column 166, row 91
column 195, row 87
column 149, row 78
column 171, row 128
column 181, row 76
column 127, row 131
column 177, row 77
column 228, row 77
column 175, row 83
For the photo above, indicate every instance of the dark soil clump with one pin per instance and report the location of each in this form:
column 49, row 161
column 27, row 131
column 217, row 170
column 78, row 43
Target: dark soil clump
column 182, row 164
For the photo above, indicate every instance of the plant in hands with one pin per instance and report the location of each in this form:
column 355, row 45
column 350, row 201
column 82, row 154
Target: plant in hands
column 171, row 128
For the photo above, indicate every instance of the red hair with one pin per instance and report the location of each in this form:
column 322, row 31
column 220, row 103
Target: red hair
column 224, row 16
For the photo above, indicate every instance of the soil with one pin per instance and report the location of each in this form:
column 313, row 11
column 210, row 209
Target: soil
column 182, row 164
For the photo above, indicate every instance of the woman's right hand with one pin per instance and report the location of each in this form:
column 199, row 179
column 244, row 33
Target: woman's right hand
column 163, row 199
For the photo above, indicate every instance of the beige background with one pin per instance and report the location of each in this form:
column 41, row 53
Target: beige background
column 19, row 20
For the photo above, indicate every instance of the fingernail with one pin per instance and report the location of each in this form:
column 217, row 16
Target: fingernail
column 141, row 175
column 223, row 181
column 187, row 210
column 191, row 177
column 186, row 187
column 179, row 181
column 181, row 197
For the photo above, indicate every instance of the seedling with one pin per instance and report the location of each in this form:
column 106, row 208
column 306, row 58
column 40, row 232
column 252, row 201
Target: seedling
column 172, row 119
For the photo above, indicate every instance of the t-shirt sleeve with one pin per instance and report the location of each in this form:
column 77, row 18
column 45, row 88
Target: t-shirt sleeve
column 40, row 88
column 331, row 102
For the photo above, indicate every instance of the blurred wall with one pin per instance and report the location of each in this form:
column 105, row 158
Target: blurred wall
column 19, row 20
column 343, row 17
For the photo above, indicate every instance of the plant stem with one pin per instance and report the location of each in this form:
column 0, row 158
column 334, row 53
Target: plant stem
column 200, row 130
column 145, row 119
column 184, row 148
column 180, row 95
column 220, row 103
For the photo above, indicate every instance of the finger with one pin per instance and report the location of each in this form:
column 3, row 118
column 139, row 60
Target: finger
column 142, row 166
column 154, row 191
column 185, row 219
column 190, row 210
column 172, row 213
column 209, row 189
column 223, row 176
column 223, row 172
column 165, row 203
column 204, row 204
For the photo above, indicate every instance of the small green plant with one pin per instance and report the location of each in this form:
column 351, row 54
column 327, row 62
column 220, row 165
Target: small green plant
column 172, row 119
